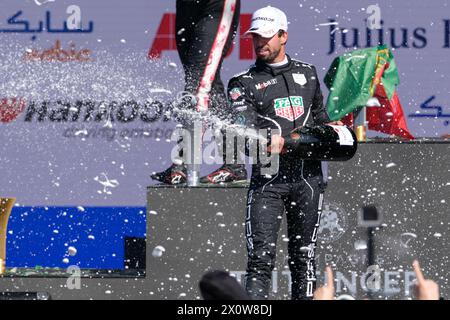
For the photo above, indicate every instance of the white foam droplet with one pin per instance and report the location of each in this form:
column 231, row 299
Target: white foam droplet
column 390, row 165
column 178, row 162
column 72, row 251
column 360, row 245
column 158, row 251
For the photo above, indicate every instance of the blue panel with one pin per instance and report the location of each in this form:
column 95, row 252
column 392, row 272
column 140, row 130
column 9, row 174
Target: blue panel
column 41, row 236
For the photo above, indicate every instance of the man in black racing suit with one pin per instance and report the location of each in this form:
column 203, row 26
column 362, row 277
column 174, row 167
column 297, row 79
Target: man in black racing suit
column 280, row 93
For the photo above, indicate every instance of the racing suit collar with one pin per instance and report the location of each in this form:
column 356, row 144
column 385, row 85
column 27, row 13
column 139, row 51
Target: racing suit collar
column 274, row 70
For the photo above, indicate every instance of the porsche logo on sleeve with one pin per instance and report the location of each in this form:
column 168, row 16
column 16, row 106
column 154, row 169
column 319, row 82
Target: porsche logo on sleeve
column 290, row 108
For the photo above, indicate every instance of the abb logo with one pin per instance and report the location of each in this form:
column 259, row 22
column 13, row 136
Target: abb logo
column 165, row 38
column 10, row 109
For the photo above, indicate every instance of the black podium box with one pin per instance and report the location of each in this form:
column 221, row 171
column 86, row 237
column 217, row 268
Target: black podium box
column 193, row 230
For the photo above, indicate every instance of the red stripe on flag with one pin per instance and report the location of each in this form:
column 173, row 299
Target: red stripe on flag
column 388, row 118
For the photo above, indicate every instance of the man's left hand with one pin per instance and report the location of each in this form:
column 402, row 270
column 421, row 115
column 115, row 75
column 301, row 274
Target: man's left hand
column 335, row 123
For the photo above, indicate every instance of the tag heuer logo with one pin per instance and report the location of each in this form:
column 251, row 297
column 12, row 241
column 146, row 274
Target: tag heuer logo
column 235, row 93
column 289, row 108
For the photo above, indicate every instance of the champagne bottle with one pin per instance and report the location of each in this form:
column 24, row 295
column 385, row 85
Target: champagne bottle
column 6, row 205
column 324, row 142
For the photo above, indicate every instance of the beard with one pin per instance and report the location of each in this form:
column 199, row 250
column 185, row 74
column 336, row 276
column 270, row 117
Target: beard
column 270, row 57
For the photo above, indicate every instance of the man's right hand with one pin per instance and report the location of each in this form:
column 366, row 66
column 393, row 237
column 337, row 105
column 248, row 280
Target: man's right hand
column 276, row 145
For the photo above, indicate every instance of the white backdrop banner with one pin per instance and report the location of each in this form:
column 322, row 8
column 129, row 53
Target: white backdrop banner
column 82, row 84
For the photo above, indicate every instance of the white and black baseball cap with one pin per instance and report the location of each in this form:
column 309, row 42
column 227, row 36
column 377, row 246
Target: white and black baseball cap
column 268, row 21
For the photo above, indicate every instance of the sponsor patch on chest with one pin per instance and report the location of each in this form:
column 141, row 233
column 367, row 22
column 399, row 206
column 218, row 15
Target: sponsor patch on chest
column 265, row 84
column 299, row 78
column 290, row 108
